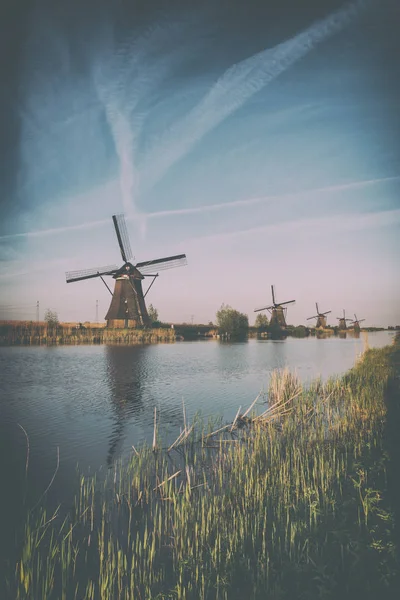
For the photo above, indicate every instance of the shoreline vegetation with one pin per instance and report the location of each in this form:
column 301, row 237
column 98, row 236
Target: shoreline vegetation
column 30, row 333
column 299, row 501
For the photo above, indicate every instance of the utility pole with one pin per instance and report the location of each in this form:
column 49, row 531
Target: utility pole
column 97, row 311
column 37, row 311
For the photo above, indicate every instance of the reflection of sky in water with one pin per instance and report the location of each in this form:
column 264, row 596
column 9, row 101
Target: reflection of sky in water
column 94, row 402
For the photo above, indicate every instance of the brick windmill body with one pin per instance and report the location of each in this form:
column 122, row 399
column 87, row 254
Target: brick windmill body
column 128, row 306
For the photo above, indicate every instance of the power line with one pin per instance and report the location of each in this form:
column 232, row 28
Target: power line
column 16, row 306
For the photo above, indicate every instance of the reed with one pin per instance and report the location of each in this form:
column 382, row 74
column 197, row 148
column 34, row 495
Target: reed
column 288, row 503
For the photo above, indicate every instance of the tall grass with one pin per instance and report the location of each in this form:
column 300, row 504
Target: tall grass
column 289, row 503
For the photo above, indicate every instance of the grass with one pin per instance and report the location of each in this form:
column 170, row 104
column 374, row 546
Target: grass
column 295, row 502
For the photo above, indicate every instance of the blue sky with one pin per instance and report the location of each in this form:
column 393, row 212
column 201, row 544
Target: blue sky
column 265, row 152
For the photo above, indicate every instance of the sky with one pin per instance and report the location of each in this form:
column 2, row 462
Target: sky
column 261, row 139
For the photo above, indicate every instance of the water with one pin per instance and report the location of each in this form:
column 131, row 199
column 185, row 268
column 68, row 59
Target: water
column 94, row 402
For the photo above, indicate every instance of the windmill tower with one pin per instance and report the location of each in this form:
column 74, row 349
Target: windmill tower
column 342, row 321
column 128, row 307
column 356, row 323
column 277, row 310
column 321, row 317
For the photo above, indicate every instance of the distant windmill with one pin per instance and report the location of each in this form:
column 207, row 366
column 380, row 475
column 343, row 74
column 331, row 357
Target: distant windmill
column 128, row 308
column 277, row 310
column 321, row 318
column 342, row 321
column 356, row 323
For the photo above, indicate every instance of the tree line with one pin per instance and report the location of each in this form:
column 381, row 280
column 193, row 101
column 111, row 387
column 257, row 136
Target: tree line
column 231, row 323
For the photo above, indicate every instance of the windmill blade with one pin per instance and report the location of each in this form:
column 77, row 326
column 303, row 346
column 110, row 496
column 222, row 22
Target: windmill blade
column 161, row 264
column 326, row 313
column 288, row 302
column 309, row 318
column 72, row 276
column 316, row 304
column 273, row 294
column 265, row 308
column 122, row 237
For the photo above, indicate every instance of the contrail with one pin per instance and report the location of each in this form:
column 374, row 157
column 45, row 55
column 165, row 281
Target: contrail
column 261, row 199
column 33, row 267
column 238, row 84
column 55, row 230
column 126, row 78
column 206, row 208
column 351, row 222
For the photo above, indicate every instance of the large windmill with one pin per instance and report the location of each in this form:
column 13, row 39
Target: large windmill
column 342, row 321
column 128, row 307
column 356, row 323
column 320, row 316
column 277, row 310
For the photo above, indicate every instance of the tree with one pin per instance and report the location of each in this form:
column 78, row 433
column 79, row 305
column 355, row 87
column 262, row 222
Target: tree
column 153, row 313
column 51, row 318
column 261, row 321
column 231, row 322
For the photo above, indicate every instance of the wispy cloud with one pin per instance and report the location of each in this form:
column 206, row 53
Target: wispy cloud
column 237, row 85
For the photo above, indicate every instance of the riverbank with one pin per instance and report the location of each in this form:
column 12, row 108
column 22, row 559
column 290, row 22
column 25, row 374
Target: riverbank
column 300, row 501
column 29, row 333
column 39, row 334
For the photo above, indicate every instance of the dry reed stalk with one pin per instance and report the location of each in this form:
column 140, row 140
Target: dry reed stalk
column 217, row 431
column 181, row 438
column 27, row 450
column 251, row 406
column 276, row 407
column 166, row 480
column 134, row 449
column 235, row 419
column 184, row 413
column 283, row 383
column 155, row 429
column 188, row 476
column 51, row 481
column 182, row 433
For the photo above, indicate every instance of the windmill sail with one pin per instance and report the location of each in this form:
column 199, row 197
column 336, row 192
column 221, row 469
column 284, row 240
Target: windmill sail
column 161, row 264
column 264, row 308
column 72, row 276
column 122, row 237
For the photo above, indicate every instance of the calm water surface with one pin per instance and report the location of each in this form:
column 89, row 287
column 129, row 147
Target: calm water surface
column 94, row 402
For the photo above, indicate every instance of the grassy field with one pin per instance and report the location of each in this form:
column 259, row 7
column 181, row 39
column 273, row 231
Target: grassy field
column 299, row 502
